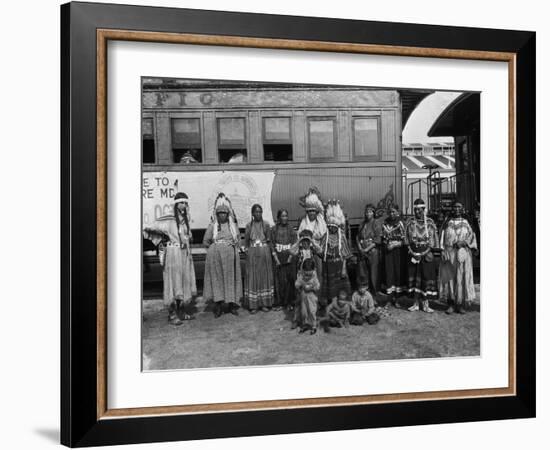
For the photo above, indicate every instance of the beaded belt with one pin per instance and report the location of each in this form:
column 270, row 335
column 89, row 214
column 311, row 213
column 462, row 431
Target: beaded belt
column 258, row 244
column 419, row 254
column 282, row 247
column 176, row 244
column 224, row 242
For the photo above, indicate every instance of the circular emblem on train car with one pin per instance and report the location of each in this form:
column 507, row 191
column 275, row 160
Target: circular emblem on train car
column 242, row 190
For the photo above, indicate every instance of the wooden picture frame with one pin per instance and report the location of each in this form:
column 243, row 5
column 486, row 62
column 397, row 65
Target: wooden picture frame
column 86, row 419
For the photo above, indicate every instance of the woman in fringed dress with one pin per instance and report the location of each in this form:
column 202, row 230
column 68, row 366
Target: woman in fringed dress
column 421, row 238
column 459, row 243
column 393, row 236
column 178, row 275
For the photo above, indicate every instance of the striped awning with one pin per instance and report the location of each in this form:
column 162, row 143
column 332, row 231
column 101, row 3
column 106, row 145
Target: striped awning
column 416, row 163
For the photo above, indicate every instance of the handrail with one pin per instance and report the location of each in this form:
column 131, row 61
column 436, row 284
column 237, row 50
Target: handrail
column 410, row 190
column 434, row 188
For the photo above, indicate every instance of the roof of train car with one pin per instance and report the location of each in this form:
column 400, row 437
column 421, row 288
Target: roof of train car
column 459, row 118
column 410, row 98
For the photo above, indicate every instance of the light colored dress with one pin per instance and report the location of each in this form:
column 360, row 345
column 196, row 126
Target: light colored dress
column 307, row 287
column 178, row 270
column 222, row 271
column 461, row 288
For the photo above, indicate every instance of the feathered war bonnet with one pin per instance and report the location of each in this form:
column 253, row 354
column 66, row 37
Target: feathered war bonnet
column 312, row 201
column 223, row 204
column 334, row 214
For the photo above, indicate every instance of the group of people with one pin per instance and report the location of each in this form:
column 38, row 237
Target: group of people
column 307, row 271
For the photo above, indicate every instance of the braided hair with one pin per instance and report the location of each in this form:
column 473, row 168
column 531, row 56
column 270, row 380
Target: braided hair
column 184, row 214
column 254, row 206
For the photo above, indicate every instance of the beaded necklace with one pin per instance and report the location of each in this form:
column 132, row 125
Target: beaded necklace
column 423, row 236
column 330, row 239
column 388, row 229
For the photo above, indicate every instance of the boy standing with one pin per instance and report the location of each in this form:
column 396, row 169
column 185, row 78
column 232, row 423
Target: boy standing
column 307, row 285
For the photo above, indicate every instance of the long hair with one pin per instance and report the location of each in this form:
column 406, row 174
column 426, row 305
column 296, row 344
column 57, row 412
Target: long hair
column 364, row 223
column 279, row 214
column 254, row 206
column 184, row 214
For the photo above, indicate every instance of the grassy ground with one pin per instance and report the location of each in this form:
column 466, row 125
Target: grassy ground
column 266, row 338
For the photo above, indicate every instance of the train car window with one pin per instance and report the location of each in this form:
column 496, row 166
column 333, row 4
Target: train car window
column 148, row 141
column 277, row 139
column 322, row 140
column 186, row 141
column 366, row 143
column 232, row 140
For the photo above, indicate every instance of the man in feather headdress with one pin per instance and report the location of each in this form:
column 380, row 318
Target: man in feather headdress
column 314, row 222
column 421, row 238
column 335, row 252
column 222, row 271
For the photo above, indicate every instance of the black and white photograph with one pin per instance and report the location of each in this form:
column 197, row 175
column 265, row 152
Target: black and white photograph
column 275, row 225
column 303, row 223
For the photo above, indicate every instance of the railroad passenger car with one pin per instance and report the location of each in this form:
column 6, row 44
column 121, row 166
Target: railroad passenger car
column 268, row 143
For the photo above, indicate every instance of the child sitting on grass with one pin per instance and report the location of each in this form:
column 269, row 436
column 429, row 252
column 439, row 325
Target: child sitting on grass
column 338, row 312
column 307, row 286
column 362, row 304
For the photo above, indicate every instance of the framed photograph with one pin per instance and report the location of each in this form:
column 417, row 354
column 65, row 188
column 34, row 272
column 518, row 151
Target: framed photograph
column 277, row 224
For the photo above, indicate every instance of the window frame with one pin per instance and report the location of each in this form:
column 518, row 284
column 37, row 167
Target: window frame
column 289, row 141
column 241, row 114
column 323, row 118
column 154, row 128
column 231, row 146
column 184, row 116
column 354, row 155
column 172, row 134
